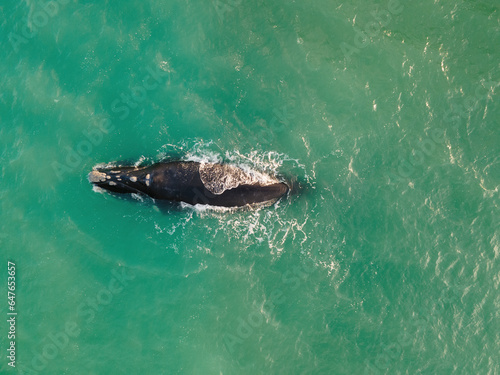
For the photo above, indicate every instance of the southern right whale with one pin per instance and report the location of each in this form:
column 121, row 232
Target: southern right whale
column 192, row 182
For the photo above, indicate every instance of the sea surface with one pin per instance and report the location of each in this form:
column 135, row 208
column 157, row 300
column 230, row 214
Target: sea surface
column 386, row 115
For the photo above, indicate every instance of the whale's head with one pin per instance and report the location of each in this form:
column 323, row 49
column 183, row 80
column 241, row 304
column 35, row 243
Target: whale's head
column 124, row 180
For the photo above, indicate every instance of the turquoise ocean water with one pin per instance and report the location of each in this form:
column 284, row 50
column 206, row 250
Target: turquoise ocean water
column 387, row 261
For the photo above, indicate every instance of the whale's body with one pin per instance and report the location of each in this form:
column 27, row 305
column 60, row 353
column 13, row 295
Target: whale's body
column 192, row 182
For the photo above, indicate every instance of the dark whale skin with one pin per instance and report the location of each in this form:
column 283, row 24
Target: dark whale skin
column 180, row 181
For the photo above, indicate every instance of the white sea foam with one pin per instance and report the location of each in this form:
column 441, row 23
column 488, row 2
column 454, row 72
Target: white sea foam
column 97, row 189
column 109, row 165
column 218, row 178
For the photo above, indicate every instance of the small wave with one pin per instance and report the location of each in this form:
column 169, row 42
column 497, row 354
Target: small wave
column 97, row 189
column 141, row 161
column 109, row 165
column 138, row 197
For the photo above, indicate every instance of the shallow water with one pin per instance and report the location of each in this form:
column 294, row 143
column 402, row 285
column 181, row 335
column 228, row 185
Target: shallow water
column 385, row 262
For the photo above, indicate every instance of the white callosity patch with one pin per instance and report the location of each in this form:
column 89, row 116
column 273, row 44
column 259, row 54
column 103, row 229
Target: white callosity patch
column 218, row 178
column 96, row 176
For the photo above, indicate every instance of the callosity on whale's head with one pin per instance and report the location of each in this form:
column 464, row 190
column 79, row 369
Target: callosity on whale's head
column 123, row 180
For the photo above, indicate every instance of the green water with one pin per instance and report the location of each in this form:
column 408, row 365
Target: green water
column 387, row 262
